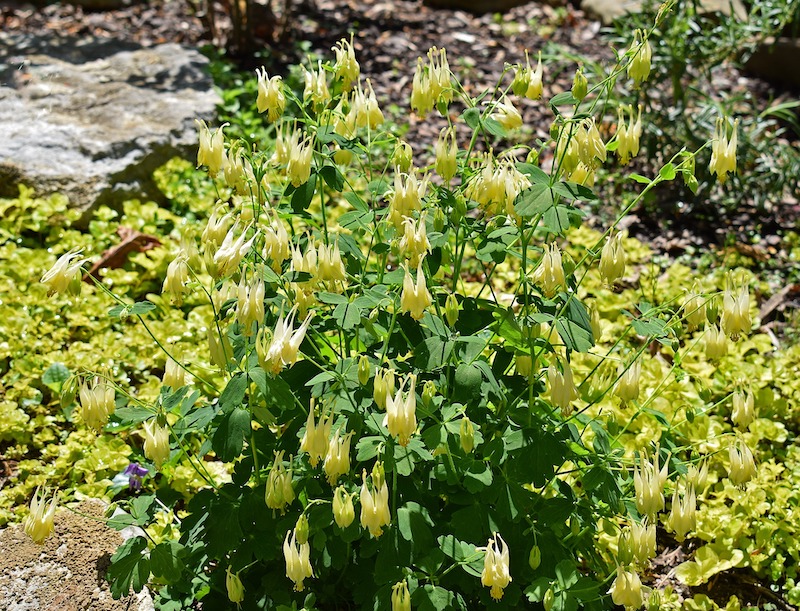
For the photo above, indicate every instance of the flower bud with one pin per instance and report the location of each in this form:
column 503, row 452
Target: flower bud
column 234, row 587
column 451, row 309
column 594, row 321
column 640, row 51
column 343, row 510
column 580, row 86
column 401, row 599
column 219, row 348
column 156, row 442
column 549, row 599
column 38, row 523
column 535, row 557
column 428, row 394
column 743, row 412
column 301, row 529
column 383, row 387
column 523, row 364
column 402, row 157
column 364, row 370
column 466, row 435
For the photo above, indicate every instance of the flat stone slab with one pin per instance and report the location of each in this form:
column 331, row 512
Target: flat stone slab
column 608, row 10
column 67, row 573
column 92, row 118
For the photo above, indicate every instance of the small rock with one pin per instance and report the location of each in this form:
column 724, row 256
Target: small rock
column 608, row 10
column 93, row 118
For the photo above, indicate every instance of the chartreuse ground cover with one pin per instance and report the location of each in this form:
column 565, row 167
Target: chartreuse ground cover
column 344, row 379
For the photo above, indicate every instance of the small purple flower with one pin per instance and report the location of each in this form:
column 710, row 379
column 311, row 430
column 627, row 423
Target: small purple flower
column 135, row 473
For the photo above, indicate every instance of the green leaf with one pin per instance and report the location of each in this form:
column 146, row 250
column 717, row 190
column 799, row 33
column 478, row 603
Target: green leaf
column 667, row 172
column 477, row 476
column 534, row 200
column 228, row 440
column 355, row 200
column 166, row 560
column 494, row 127
column 277, row 393
column 233, row 395
column 575, row 327
column 302, row 196
column 55, row 376
column 347, row 315
column 331, row 298
column 433, row 353
column 432, row 598
column 642, row 180
column 132, row 414
column 367, row 448
column 565, row 98
column 535, row 173
column 129, row 567
column 472, row 117
column 141, row 307
column 414, row 524
column 332, row 177
column 654, row 327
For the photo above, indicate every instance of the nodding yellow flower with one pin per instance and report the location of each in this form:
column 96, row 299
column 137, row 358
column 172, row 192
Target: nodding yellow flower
column 298, row 560
column 694, row 309
column 466, row 435
column 639, row 66
column 451, row 309
column 279, row 491
column 400, row 418
column 626, row 591
column 233, row 584
column 219, row 347
column 562, row 387
column 716, row 343
column 281, row 348
column 432, row 84
column 346, row 67
column 232, row 251
column 735, row 309
column 648, row 484
column 723, row 150
column 415, row 298
column 643, row 541
column 174, row 375
column 316, row 87
column 330, row 268
column 65, row 275
column 364, row 370
column 742, row 464
column 683, row 515
column 298, row 167
column 446, row 150
column 337, row 460
column 528, row 82
column 375, row 502
column 38, row 524
column 496, row 573
column 97, row 403
column 401, row 599
column 406, row 197
column 383, row 387
column 612, row 259
column 550, row 273
column 315, row 438
column 276, row 242
column 156, row 442
column 270, row 95
column 364, row 110
column 402, row 158
column 211, row 152
column 580, row 86
column 414, row 244
column 250, row 304
column 743, row 412
column 343, row 511
column 177, row 278
column 628, row 385
column 506, row 114
column 628, row 136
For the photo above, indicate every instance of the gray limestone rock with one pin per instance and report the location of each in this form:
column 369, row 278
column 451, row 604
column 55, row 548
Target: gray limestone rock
column 92, row 118
column 608, row 10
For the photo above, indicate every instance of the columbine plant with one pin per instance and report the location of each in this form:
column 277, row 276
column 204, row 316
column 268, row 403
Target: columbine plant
column 356, row 368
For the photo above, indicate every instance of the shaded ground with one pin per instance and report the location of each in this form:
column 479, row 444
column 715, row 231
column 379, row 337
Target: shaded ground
column 67, row 573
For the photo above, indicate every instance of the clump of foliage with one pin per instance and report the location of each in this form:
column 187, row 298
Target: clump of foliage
column 367, row 384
